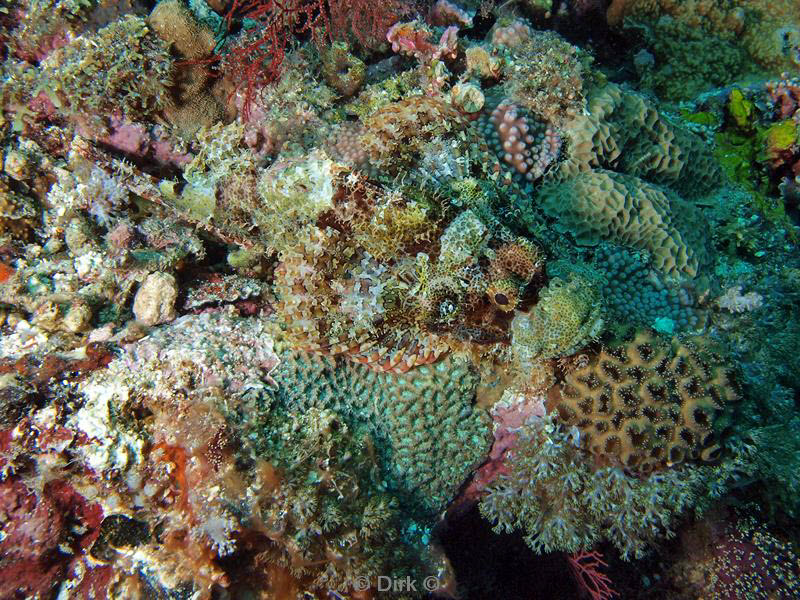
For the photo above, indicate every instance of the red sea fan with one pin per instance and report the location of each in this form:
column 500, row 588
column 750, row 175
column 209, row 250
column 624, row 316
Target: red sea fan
column 587, row 568
column 367, row 20
column 256, row 57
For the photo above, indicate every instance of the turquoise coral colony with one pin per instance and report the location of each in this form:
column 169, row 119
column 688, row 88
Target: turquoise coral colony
column 345, row 299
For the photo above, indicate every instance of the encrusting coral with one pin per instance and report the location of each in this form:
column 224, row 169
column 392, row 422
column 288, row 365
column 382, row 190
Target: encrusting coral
column 643, row 405
column 601, row 205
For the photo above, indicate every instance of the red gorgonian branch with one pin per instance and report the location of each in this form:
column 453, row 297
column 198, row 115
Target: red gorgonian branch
column 586, row 567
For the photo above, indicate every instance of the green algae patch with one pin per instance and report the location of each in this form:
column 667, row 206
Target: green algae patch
column 740, row 109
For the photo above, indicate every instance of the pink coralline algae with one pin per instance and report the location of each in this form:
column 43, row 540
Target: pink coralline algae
column 523, row 144
column 513, row 35
column 41, row 531
column 413, row 39
column 509, row 415
column 784, row 97
column 139, row 141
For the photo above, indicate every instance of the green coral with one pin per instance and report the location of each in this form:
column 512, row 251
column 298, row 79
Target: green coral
column 428, row 434
column 781, row 136
column 331, row 515
column 343, row 71
column 688, row 61
column 601, row 205
column 740, row 108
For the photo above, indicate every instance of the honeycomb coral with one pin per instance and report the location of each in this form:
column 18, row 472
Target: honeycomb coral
column 646, row 405
column 621, row 131
column 601, row 205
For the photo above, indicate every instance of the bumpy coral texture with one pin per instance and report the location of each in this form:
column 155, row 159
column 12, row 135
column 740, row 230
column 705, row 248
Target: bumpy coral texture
column 621, row 131
column 526, row 146
column 645, row 405
column 343, row 72
column 638, row 293
column 293, row 489
column 768, row 29
column 17, row 212
column 602, row 205
column 567, row 316
column 429, row 435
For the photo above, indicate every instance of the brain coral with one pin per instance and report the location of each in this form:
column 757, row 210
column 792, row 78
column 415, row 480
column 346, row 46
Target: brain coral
column 429, row 435
column 621, row 131
column 646, row 405
column 602, row 205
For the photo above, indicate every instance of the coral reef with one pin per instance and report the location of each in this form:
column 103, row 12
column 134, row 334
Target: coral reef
column 572, row 506
column 403, row 411
column 623, row 132
column 95, row 76
column 768, row 30
column 293, row 292
column 635, row 292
